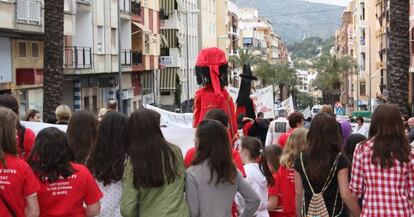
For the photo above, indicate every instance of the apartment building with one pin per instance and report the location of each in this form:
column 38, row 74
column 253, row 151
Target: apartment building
column 256, row 32
column 179, row 30
column 207, row 32
column 345, row 47
column 21, row 51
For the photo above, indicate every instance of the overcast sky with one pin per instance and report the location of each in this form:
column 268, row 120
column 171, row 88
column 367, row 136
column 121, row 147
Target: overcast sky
column 333, row 2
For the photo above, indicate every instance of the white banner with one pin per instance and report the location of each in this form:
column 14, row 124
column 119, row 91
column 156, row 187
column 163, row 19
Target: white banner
column 171, row 119
column 262, row 99
column 183, row 137
column 307, row 112
column 286, row 105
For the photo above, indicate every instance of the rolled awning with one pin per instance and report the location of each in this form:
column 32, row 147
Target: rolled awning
column 141, row 27
column 171, row 37
column 168, row 79
column 168, row 6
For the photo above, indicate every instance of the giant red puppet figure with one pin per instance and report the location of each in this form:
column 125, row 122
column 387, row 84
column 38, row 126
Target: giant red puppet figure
column 211, row 71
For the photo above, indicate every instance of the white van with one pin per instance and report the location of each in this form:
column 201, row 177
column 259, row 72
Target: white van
column 316, row 109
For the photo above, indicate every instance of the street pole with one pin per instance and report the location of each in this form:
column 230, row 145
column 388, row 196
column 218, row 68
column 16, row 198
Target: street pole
column 370, row 71
column 188, row 60
column 120, row 106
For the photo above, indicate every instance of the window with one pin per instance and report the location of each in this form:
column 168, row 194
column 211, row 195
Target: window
column 100, row 40
column 22, row 49
column 113, row 40
column 28, row 11
column 362, row 11
column 35, row 49
column 362, row 90
column 86, row 103
column 412, row 41
column 363, row 61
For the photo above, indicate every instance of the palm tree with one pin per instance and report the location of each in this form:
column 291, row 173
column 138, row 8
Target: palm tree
column 281, row 75
column 53, row 58
column 399, row 60
column 332, row 70
column 246, row 56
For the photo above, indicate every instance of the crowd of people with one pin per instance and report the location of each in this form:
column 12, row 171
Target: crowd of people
column 116, row 165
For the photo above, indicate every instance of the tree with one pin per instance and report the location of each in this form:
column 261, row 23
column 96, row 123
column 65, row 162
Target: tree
column 246, row 56
column 281, row 75
column 399, row 60
column 305, row 100
column 53, row 58
column 331, row 71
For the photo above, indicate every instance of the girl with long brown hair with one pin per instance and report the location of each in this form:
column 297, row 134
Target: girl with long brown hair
column 153, row 180
column 19, row 187
column 213, row 180
column 383, row 167
column 321, row 172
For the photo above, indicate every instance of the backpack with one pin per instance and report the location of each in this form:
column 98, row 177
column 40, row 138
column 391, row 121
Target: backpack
column 317, row 206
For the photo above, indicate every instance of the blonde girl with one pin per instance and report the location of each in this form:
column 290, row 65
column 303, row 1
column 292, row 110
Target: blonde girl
column 285, row 177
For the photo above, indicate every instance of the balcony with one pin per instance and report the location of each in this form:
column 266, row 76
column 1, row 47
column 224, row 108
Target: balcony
column 136, row 8
column 136, row 57
column 29, row 76
column 78, row 57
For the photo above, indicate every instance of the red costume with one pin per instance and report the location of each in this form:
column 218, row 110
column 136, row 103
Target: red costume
column 211, row 71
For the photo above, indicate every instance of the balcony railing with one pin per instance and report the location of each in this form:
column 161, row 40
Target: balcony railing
column 78, row 57
column 136, row 8
column 136, row 57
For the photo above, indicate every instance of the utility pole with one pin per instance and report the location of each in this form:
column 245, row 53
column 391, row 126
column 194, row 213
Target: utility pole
column 188, row 59
column 120, row 106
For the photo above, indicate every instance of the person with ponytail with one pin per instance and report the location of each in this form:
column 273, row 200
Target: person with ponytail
column 258, row 174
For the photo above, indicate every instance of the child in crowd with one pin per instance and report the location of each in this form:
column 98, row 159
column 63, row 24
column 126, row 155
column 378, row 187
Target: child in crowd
column 213, row 180
column 66, row 188
column 257, row 170
column 285, row 177
column 273, row 153
column 107, row 161
column 19, row 187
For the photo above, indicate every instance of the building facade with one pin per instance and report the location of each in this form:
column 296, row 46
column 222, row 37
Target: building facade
column 177, row 81
column 207, row 22
column 21, row 51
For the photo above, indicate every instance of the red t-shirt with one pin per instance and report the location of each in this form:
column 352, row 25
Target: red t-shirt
column 285, row 188
column 284, row 137
column 17, row 182
column 189, row 156
column 273, row 192
column 29, row 140
column 66, row 197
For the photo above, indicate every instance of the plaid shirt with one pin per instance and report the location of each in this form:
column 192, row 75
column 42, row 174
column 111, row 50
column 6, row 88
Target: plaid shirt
column 386, row 192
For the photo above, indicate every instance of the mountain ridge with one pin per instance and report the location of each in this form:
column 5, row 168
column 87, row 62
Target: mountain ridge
column 295, row 20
